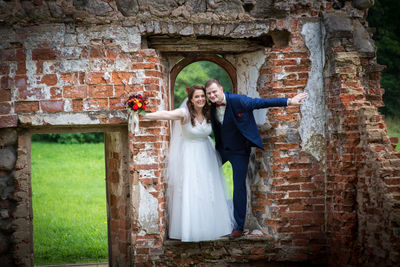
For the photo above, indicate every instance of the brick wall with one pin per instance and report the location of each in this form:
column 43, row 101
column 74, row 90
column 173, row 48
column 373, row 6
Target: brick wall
column 362, row 164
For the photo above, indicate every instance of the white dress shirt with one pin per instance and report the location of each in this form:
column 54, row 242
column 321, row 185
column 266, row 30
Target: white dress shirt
column 220, row 111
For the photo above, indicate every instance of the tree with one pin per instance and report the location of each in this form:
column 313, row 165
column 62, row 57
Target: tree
column 384, row 17
column 199, row 73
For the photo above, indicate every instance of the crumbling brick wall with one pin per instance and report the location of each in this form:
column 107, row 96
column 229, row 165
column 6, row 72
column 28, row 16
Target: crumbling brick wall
column 326, row 188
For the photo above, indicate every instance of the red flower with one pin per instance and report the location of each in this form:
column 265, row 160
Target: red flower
column 239, row 115
column 187, row 88
column 137, row 103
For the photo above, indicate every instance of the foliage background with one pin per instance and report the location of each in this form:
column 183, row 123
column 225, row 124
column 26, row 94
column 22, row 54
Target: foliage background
column 384, row 17
column 199, row 73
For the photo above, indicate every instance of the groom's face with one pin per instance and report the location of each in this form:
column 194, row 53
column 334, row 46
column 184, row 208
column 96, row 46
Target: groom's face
column 215, row 93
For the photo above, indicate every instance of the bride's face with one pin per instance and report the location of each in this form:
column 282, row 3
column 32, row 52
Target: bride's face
column 198, row 98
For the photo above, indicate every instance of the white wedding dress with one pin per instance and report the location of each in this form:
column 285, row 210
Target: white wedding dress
column 199, row 206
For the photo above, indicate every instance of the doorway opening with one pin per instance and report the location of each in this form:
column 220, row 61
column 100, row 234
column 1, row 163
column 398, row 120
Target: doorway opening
column 199, row 72
column 69, row 200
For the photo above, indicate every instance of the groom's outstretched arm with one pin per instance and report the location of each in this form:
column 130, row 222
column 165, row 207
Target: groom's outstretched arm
column 249, row 103
column 257, row 103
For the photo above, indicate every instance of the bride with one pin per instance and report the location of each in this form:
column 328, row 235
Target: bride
column 197, row 197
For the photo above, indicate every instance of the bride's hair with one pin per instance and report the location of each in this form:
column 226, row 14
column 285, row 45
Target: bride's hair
column 206, row 109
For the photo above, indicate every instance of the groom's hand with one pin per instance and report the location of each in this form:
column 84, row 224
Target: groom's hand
column 297, row 100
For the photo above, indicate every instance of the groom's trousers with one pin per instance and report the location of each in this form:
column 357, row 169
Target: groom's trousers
column 239, row 161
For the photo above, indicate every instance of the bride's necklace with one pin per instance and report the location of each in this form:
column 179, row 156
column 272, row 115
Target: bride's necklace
column 199, row 118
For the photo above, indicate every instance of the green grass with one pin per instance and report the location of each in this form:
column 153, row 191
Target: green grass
column 69, row 203
column 227, row 168
column 393, row 126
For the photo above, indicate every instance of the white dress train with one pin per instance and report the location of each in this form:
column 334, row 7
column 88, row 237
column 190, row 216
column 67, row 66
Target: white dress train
column 199, row 206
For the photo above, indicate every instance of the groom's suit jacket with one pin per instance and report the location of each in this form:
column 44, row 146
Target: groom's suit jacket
column 239, row 129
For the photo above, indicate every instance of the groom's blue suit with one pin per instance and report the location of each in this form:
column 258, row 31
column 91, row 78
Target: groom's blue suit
column 234, row 139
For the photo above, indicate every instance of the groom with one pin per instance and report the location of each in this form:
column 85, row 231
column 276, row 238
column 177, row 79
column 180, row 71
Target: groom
column 235, row 132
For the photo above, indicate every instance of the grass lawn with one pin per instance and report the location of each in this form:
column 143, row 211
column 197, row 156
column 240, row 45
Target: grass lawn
column 69, row 203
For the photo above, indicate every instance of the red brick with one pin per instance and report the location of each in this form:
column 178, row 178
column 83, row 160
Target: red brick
column 152, row 73
column 78, row 91
column 121, row 91
column 299, row 194
column 97, row 78
column 287, row 188
column 55, row 92
column 6, row 82
column 49, row 79
column 286, row 62
column 112, row 53
column 294, row 82
column 141, row 66
column 96, row 104
column 4, row 68
column 117, row 103
column 287, row 118
column 122, row 77
column 5, row 108
column 100, row 91
column 39, row 67
column 43, row 54
column 347, row 98
column 8, row 121
column 35, row 93
column 5, row 95
column 296, row 68
column 26, row 106
column 77, row 104
column 392, row 180
column 286, row 146
column 8, row 55
column 52, row 105
column 97, row 53
column 20, row 81
column 21, row 67
column 66, row 77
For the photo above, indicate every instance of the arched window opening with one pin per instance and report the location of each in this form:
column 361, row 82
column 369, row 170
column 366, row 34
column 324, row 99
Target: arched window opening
column 199, row 72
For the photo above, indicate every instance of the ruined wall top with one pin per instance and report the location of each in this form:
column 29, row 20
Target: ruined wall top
column 134, row 12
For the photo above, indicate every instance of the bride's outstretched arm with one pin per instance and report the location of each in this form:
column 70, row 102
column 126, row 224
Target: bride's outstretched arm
column 176, row 114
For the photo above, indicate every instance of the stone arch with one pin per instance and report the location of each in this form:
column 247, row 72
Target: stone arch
column 220, row 61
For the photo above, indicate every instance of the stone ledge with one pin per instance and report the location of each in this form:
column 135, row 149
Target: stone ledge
column 254, row 235
column 73, row 118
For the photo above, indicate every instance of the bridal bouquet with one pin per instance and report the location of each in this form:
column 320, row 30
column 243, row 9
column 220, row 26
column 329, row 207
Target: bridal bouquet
column 136, row 104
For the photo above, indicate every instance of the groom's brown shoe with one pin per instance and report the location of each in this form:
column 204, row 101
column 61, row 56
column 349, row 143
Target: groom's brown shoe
column 236, row 234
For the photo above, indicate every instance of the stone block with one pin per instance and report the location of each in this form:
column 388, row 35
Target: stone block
column 7, row 158
column 8, row 137
column 362, row 39
column 337, row 25
column 362, row 4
